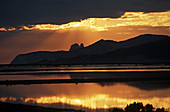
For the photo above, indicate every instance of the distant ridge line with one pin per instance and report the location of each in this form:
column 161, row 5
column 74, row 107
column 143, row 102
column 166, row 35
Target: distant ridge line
column 105, row 51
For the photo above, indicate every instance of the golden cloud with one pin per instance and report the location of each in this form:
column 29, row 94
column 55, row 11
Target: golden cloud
column 7, row 29
column 152, row 19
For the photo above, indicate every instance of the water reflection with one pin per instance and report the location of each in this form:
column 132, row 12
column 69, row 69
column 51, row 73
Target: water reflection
column 85, row 95
column 72, row 71
column 101, row 95
column 34, row 77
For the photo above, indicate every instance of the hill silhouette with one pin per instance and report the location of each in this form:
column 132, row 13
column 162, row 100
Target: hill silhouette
column 141, row 49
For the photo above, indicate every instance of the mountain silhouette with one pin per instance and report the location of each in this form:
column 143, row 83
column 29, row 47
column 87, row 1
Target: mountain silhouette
column 76, row 47
column 141, row 49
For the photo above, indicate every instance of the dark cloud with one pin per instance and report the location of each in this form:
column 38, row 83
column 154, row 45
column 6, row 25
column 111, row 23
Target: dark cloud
column 19, row 12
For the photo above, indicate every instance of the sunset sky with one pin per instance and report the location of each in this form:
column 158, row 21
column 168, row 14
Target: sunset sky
column 51, row 25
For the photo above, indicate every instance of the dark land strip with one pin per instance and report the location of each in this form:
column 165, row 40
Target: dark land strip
column 9, row 107
column 57, row 81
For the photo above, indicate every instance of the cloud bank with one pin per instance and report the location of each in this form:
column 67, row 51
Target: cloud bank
column 152, row 19
column 24, row 12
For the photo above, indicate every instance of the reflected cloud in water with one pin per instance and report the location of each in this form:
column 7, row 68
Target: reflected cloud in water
column 85, row 95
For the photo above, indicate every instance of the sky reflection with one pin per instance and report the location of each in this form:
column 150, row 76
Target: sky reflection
column 86, row 95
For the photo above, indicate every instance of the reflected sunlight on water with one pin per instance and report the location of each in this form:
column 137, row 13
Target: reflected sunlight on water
column 82, row 71
column 33, row 77
column 92, row 96
column 94, row 102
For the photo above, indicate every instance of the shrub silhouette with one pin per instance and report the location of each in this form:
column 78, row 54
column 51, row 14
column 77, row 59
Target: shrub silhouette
column 135, row 107
column 160, row 110
column 149, row 108
column 116, row 110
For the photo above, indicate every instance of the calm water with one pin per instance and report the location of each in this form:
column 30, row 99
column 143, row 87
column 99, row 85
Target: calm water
column 88, row 96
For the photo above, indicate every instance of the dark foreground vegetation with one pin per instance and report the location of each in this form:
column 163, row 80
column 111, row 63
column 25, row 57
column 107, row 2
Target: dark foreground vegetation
column 138, row 107
column 135, row 107
column 8, row 107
